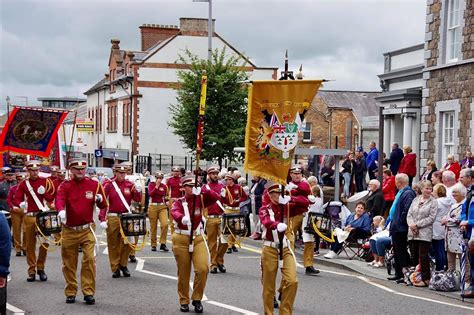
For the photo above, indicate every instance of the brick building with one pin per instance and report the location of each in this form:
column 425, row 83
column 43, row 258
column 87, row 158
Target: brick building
column 130, row 104
column 447, row 125
column 351, row 116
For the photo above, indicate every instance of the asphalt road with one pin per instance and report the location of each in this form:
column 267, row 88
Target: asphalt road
column 152, row 289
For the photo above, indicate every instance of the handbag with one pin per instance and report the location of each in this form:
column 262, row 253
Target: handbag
column 445, row 281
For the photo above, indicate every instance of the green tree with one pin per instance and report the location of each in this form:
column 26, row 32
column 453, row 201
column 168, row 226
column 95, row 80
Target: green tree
column 226, row 105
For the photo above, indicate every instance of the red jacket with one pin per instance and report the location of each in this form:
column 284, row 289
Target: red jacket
column 234, row 195
column 174, row 185
column 22, row 191
column 206, row 198
column 157, row 194
column 388, row 189
column 11, row 195
column 115, row 203
column 303, row 190
column 216, row 207
column 408, row 165
column 78, row 199
column 453, row 167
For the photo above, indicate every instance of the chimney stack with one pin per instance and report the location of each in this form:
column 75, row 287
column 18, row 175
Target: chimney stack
column 153, row 33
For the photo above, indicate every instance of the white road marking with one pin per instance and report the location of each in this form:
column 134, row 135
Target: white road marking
column 15, row 310
column 376, row 284
column 232, row 308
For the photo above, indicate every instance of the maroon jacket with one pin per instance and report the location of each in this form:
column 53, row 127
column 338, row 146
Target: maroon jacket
column 214, row 208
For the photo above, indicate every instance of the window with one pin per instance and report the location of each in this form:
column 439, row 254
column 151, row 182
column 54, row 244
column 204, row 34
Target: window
column 448, row 135
column 112, row 117
column 127, row 112
column 454, row 31
column 112, row 78
column 98, row 119
column 306, row 130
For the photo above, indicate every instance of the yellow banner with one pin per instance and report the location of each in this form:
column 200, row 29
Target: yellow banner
column 275, row 114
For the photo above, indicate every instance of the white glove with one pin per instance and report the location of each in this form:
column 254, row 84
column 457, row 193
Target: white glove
column 62, row 216
column 103, row 224
column 246, row 190
column 281, row 227
column 23, row 205
column 290, row 186
column 284, row 200
column 185, row 220
column 223, row 192
column 312, row 198
column 207, row 187
column 41, row 190
column 196, row 191
column 138, row 188
column 98, row 198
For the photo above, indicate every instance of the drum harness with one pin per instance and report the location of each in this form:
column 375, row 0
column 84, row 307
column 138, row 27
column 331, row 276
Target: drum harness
column 275, row 237
column 192, row 234
column 42, row 208
column 124, row 237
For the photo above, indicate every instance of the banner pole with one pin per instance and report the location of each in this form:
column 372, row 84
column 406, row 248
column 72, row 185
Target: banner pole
column 68, row 150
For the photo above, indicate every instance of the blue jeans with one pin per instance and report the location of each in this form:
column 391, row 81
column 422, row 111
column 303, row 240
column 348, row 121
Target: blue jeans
column 378, row 247
column 347, row 183
column 439, row 253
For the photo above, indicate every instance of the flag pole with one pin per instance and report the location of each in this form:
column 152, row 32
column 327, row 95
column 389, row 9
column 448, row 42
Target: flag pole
column 68, row 150
column 200, row 128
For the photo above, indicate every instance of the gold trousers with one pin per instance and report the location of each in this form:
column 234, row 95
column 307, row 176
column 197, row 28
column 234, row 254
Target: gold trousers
column 155, row 213
column 308, row 254
column 30, row 240
column 170, row 218
column 217, row 249
column 17, row 227
column 118, row 250
column 198, row 258
column 289, row 280
column 71, row 241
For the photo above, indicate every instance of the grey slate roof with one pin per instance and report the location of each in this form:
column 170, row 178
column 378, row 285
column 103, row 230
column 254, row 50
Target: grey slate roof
column 363, row 104
column 97, row 86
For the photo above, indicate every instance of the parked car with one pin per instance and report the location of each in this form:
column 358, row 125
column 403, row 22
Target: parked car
column 106, row 170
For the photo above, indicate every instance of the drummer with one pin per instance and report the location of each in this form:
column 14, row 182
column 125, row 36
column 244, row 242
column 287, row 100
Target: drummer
column 76, row 200
column 232, row 197
column 157, row 210
column 119, row 192
column 316, row 205
column 35, row 190
column 174, row 191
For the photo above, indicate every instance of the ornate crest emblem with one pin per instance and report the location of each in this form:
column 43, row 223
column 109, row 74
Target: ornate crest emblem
column 161, row 189
column 89, row 195
column 126, row 191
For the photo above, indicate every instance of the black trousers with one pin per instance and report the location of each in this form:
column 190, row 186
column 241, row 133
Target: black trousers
column 400, row 250
column 359, row 181
column 420, row 255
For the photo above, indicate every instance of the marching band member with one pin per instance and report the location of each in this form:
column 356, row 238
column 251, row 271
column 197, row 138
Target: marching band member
column 75, row 203
column 174, row 191
column 36, row 190
column 297, row 187
column 119, row 193
column 217, row 243
column 157, row 209
column 316, row 206
column 53, row 170
column 17, row 217
column 234, row 195
column 273, row 230
column 5, row 186
column 187, row 213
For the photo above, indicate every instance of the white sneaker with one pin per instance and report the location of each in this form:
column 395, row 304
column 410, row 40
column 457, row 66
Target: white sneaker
column 330, row 255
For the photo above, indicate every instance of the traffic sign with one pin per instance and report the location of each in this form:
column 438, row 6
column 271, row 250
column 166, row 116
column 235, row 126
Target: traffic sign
column 98, row 153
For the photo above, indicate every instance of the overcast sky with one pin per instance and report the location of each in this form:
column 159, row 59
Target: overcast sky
column 61, row 47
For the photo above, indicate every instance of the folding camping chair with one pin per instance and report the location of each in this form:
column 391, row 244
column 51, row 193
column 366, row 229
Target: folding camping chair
column 355, row 247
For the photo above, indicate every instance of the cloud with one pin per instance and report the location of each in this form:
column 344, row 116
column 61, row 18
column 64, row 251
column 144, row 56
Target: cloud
column 57, row 48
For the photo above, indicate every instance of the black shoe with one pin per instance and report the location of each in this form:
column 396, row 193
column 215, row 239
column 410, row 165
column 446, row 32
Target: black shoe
column 184, row 308
column 70, row 299
column 89, row 299
column 310, row 271
column 24, row 252
column 116, row 274
column 153, row 248
column 213, row 270
column 229, row 251
column 395, row 277
column 18, row 254
column 42, row 275
column 125, row 271
column 198, row 306
column 31, row 278
column 401, row 280
column 275, row 303
column 234, row 249
column 163, row 248
column 132, row 258
column 221, row 268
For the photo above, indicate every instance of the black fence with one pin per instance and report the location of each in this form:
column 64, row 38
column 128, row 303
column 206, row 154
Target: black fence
column 163, row 162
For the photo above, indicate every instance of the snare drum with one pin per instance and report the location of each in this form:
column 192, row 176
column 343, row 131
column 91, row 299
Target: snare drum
column 48, row 222
column 234, row 224
column 133, row 224
column 319, row 221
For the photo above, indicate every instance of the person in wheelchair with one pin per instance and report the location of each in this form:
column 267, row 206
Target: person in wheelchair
column 358, row 224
